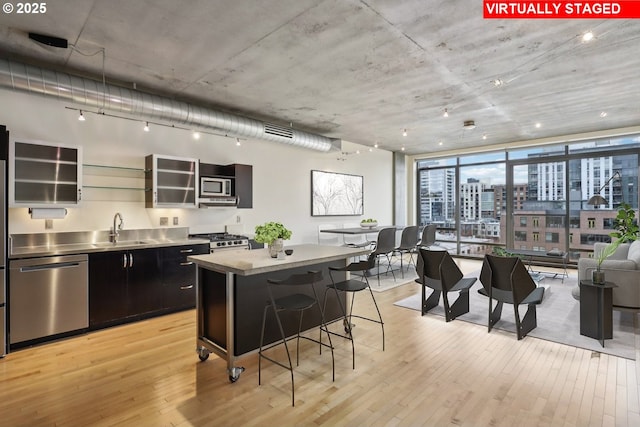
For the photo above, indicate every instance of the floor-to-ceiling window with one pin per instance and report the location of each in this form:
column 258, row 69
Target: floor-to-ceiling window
column 532, row 198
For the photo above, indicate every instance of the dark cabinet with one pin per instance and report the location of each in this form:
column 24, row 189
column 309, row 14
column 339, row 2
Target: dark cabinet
column 179, row 276
column 243, row 185
column 241, row 180
column 107, row 287
column 123, row 284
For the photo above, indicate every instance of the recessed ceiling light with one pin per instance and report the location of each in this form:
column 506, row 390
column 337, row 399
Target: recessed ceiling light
column 404, row 132
column 196, row 135
column 603, row 114
column 402, row 148
column 375, row 145
column 440, row 143
column 538, row 125
column 238, row 142
column 587, row 37
column 146, row 127
column 497, row 82
column 446, row 113
column 484, row 136
column 370, row 149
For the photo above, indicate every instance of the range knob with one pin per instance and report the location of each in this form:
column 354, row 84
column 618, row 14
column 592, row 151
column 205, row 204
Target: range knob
column 220, row 244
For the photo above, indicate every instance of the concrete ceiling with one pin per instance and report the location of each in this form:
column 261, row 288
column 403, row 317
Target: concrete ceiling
column 361, row 71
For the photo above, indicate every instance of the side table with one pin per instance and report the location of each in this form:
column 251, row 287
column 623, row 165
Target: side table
column 596, row 310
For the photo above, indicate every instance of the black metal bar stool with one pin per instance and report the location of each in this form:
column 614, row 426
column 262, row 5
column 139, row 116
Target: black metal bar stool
column 353, row 286
column 295, row 302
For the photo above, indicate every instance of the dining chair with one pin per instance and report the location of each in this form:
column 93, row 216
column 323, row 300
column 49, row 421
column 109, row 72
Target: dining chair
column 332, row 239
column 408, row 242
column 356, row 240
column 428, row 236
column 385, row 245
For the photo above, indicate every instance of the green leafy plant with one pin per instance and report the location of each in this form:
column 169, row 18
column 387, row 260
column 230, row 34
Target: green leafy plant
column 270, row 231
column 606, row 252
column 368, row 220
column 625, row 224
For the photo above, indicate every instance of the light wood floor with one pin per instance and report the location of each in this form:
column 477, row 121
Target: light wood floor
column 432, row 373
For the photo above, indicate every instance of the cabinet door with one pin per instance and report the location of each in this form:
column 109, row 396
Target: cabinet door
column 43, row 175
column 179, row 276
column 144, row 281
column 173, row 182
column 244, row 185
column 107, row 287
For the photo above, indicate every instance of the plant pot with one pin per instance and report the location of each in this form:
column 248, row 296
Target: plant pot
column 598, row 277
column 275, row 247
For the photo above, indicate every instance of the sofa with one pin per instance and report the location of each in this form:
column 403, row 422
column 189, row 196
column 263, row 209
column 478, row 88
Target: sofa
column 622, row 268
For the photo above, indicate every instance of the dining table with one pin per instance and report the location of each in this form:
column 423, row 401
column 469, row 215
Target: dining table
column 359, row 230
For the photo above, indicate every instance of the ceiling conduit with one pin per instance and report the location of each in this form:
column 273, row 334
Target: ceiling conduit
column 147, row 107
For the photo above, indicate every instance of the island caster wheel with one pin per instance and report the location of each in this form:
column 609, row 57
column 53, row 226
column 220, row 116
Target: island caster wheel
column 234, row 374
column 347, row 326
column 203, row 354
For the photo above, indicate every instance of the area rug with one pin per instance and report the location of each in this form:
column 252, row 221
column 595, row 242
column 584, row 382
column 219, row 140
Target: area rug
column 388, row 281
column 558, row 318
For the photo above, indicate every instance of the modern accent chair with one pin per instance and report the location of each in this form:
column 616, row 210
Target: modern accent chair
column 408, row 242
column 302, row 296
column 438, row 271
column 353, row 285
column 385, row 245
column 506, row 280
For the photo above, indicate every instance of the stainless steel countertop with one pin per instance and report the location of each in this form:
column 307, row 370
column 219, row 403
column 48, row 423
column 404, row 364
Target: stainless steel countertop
column 82, row 248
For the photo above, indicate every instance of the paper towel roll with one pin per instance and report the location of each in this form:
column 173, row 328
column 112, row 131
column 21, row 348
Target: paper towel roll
column 48, row 213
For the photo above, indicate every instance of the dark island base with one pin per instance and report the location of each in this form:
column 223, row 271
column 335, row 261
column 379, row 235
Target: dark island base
column 250, row 298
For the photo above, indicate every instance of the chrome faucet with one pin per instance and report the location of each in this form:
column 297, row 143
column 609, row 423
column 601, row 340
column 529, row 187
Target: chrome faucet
column 115, row 231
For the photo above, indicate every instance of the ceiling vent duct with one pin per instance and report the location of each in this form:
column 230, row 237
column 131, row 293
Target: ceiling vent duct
column 116, row 99
column 276, row 130
column 469, row 124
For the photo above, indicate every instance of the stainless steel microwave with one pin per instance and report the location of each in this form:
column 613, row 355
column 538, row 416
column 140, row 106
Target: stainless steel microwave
column 214, row 187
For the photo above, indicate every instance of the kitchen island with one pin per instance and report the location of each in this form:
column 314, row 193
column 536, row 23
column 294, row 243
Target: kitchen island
column 232, row 292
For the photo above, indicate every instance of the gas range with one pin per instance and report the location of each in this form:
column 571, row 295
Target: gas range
column 224, row 241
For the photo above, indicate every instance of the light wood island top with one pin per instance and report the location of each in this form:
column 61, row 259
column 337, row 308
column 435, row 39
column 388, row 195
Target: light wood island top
column 258, row 261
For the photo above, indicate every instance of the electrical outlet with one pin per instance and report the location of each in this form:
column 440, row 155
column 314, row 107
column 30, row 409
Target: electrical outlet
column 164, row 220
column 48, row 224
column 175, row 220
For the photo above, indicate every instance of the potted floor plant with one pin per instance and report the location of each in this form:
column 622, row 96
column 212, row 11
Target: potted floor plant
column 272, row 234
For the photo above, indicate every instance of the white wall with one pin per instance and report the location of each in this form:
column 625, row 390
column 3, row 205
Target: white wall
column 281, row 173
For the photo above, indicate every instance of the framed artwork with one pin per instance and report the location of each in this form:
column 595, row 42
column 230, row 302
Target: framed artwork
column 336, row 194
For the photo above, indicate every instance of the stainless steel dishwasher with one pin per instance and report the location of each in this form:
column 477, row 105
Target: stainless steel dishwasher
column 47, row 296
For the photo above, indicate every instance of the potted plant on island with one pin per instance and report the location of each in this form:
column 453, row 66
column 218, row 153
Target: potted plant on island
column 272, row 234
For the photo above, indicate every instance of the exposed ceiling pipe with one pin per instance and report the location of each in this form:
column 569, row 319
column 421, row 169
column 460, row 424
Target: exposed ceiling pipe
column 148, row 107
